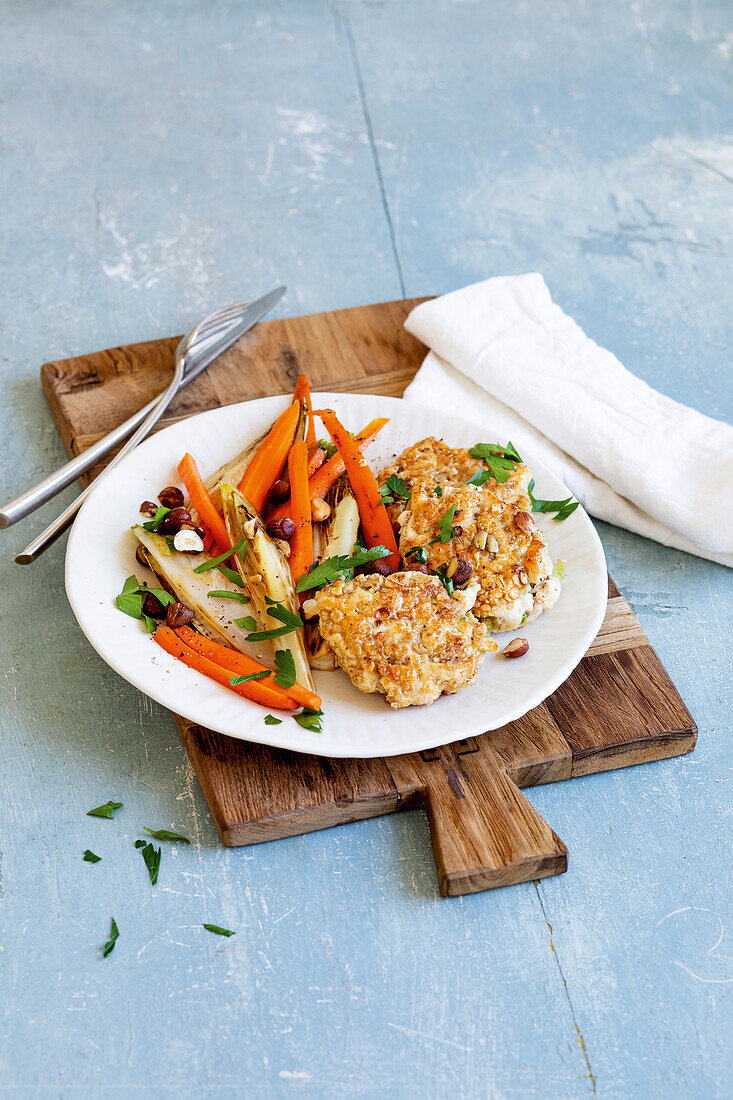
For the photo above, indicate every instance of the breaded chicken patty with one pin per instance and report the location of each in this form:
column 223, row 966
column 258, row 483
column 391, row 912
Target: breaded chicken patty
column 509, row 560
column 434, row 461
column 402, row 636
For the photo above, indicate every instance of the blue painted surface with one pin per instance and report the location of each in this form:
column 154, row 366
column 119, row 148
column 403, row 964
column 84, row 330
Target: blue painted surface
column 157, row 160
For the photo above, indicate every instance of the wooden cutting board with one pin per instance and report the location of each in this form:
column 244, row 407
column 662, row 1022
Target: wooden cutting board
column 619, row 707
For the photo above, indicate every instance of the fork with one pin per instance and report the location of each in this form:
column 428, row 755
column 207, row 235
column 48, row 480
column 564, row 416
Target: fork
column 195, row 352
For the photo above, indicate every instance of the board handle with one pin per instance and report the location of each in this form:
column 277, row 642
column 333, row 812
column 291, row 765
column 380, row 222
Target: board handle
column 484, row 831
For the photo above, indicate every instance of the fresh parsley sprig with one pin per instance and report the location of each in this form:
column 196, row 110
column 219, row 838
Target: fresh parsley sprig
column 107, row 810
column 114, row 934
column 278, row 611
column 218, row 930
column 212, row 563
column 393, row 488
column 154, row 523
column 130, row 600
column 446, row 530
column 341, row 566
column 222, row 594
column 166, row 834
column 235, row 681
column 152, row 860
column 231, row 575
column 500, row 461
column 419, row 553
column 310, row 720
column 285, row 675
column 564, row 508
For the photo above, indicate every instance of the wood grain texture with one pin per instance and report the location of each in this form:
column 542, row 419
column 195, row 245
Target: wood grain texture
column 619, row 707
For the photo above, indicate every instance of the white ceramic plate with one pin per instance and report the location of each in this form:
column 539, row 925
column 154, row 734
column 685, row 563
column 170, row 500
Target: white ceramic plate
column 101, row 554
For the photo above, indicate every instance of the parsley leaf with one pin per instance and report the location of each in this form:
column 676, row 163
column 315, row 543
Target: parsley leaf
column 231, row 575
column 154, row 523
column 140, row 843
column 446, row 530
column 285, row 675
column 284, row 615
column 165, row 834
column 480, row 478
column 130, row 600
column 343, row 566
column 108, row 810
column 222, row 594
column 310, row 720
column 271, row 720
column 212, row 563
column 394, row 487
column 500, row 460
column 235, row 681
column 131, row 603
column 219, row 930
column 438, row 490
column 564, row 508
column 89, row 857
column 248, row 622
column 114, row 933
column 419, row 553
column 152, row 861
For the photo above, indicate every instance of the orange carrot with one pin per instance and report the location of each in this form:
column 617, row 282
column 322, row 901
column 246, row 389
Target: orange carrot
column 316, row 458
column 301, row 544
column 270, row 458
column 253, row 689
column 239, row 664
column 332, row 469
column 211, row 521
column 374, row 519
column 303, row 393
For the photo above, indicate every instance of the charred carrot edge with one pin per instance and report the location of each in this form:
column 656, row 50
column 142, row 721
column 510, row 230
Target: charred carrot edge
column 332, row 469
column 241, row 665
column 374, row 519
column 211, row 521
column 168, row 640
column 302, row 392
column 301, row 544
column 270, row 458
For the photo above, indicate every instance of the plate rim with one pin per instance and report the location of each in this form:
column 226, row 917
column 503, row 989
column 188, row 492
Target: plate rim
column 279, row 739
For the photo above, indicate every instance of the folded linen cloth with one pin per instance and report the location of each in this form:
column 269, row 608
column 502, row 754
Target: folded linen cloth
column 504, row 354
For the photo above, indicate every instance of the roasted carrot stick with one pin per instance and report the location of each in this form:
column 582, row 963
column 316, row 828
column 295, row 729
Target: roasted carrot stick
column 168, row 640
column 269, row 460
column 316, row 458
column 301, row 544
column 374, row 519
column 211, row 521
column 303, row 393
column 239, row 664
column 332, row 469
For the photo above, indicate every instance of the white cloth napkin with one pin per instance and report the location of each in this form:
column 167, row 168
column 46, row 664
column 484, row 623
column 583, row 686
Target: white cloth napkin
column 502, row 353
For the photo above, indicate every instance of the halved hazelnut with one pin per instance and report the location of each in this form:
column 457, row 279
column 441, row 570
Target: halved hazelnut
column 516, row 648
column 178, row 615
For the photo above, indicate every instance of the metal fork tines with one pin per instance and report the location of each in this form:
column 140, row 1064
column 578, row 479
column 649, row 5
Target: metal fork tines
column 195, row 352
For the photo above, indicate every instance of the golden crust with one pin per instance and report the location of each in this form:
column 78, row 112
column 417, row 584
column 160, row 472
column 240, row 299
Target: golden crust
column 402, row 636
column 434, row 461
